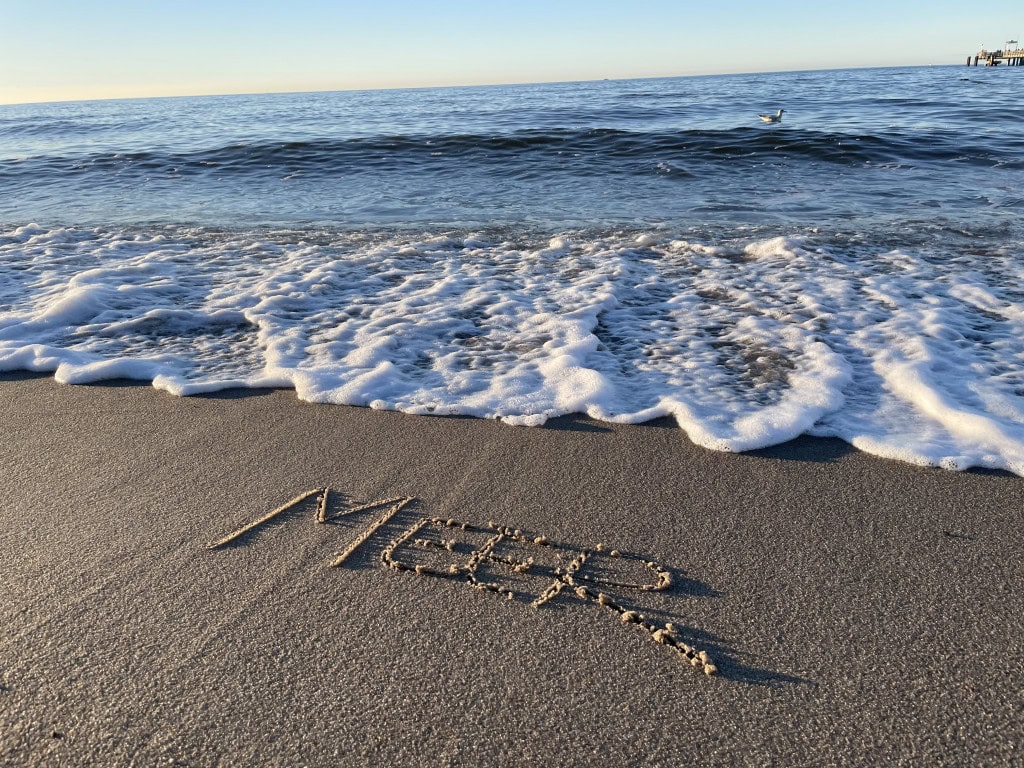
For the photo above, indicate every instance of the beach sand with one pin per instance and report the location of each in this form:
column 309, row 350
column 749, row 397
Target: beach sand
column 859, row 611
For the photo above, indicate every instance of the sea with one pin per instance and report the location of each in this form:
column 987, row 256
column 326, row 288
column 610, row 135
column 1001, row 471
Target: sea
column 625, row 249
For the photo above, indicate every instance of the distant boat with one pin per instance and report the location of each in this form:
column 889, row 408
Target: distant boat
column 776, row 118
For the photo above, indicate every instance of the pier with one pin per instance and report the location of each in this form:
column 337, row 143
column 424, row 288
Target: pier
column 1011, row 54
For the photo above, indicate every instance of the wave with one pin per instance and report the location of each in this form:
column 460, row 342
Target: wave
column 745, row 345
column 594, row 151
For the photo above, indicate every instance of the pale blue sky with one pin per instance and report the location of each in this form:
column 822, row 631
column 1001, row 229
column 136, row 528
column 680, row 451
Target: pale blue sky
column 73, row 49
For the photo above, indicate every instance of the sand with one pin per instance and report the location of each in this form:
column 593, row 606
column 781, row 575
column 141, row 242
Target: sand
column 859, row 611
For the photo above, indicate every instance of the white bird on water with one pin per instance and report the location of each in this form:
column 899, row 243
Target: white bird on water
column 776, row 118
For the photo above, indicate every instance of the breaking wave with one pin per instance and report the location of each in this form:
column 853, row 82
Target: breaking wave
column 745, row 345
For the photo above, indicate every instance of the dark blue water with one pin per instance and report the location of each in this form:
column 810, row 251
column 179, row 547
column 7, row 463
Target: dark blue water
column 915, row 153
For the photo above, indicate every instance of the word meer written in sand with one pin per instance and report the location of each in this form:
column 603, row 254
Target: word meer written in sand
column 504, row 561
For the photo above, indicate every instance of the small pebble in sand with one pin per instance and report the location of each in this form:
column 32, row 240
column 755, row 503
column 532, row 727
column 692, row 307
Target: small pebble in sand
column 541, row 540
column 614, row 553
column 599, row 547
column 629, row 616
column 710, row 669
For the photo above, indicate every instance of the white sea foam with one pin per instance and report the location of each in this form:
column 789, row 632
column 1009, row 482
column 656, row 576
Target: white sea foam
column 901, row 354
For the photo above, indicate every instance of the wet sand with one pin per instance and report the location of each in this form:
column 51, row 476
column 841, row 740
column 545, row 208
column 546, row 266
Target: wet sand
column 858, row 611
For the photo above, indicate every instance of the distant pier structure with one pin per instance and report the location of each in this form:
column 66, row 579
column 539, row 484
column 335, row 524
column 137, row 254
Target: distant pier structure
column 1011, row 54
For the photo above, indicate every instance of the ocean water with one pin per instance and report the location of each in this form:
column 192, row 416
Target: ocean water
column 626, row 249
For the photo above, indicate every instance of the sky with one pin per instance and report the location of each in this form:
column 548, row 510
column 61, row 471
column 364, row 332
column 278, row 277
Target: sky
column 56, row 50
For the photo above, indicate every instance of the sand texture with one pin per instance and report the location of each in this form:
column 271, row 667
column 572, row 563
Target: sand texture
column 856, row 611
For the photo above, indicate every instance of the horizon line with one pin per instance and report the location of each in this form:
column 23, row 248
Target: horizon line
column 472, row 85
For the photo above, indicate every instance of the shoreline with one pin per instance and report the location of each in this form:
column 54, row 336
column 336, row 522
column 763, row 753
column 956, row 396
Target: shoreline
column 859, row 610
column 802, row 447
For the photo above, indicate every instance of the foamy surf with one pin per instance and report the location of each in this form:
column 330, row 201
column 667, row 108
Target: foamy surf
column 747, row 345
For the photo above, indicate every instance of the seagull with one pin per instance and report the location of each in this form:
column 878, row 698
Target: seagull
column 772, row 118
